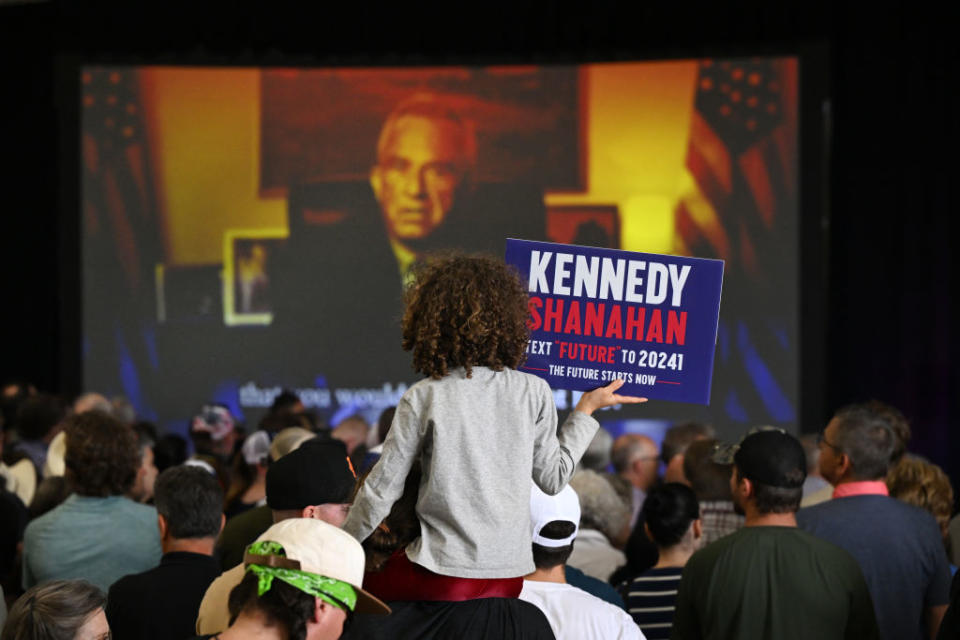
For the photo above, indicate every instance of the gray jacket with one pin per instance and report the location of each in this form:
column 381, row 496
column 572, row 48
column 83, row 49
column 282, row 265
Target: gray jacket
column 480, row 441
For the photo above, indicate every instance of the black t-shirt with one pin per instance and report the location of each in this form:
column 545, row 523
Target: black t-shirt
column 501, row 618
column 13, row 520
column 161, row 603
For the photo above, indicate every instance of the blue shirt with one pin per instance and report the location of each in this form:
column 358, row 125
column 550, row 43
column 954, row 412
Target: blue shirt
column 900, row 551
column 97, row 539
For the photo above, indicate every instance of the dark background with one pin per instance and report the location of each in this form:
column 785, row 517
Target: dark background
column 877, row 278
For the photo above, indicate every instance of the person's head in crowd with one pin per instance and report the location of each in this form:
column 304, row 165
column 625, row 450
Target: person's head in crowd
column 352, row 432
column 213, row 431
column 50, row 493
column 58, row 610
column 286, row 402
column 302, row 579
column 384, row 422
column 671, row 516
column 314, row 481
column 123, row 410
column 426, row 154
column 923, row 484
column 480, row 295
column 601, row 509
column 709, row 479
column 189, row 505
column 286, row 411
column 399, row 528
column 288, row 440
column 898, row 424
column 102, row 457
column 142, row 490
column 39, row 417
column 811, row 448
column 635, row 458
column 675, row 443
column 858, row 443
column 12, row 394
column 169, row 451
column 248, row 480
column 769, row 468
column 91, row 401
column 201, row 463
column 555, row 522
column 597, row 455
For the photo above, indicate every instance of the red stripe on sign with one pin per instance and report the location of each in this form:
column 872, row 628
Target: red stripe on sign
column 665, row 382
column 533, row 369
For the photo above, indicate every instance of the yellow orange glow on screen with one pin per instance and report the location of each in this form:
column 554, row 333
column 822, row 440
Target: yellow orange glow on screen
column 204, row 134
column 204, row 128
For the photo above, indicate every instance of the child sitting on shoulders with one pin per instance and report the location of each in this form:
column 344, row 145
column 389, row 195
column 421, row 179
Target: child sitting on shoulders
column 480, row 428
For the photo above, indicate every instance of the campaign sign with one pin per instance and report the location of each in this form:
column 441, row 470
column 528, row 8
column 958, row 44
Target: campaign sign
column 601, row 314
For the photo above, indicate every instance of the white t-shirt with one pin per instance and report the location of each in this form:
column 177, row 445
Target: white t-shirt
column 574, row 614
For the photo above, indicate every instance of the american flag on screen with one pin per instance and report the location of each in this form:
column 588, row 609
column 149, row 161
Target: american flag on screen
column 118, row 198
column 741, row 207
column 121, row 233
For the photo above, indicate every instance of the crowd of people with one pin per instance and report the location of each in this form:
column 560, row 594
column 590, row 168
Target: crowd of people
column 470, row 511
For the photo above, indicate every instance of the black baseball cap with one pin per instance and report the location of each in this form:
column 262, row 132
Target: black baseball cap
column 769, row 456
column 318, row 472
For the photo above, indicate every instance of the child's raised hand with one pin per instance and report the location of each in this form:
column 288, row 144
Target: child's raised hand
column 604, row 397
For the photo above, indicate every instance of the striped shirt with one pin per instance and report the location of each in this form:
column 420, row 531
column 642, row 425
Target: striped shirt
column 650, row 600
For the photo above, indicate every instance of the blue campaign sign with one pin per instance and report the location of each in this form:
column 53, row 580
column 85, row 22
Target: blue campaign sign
column 601, row 314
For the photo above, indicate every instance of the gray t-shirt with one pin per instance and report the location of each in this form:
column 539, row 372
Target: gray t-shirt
column 97, row 539
column 480, row 440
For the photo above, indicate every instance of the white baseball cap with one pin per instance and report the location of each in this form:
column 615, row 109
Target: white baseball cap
column 544, row 509
column 256, row 447
column 325, row 550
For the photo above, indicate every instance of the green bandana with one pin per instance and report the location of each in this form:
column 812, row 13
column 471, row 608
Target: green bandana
column 333, row 592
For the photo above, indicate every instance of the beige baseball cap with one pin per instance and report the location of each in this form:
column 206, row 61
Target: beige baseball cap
column 288, row 440
column 56, row 453
column 325, row 550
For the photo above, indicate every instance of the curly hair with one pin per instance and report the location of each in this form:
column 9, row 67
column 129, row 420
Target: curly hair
column 465, row 311
column 284, row 606
column 925, row 485
column 102, row 455
column 402, row 525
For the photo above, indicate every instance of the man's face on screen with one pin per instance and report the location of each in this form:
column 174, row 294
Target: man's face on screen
column 417, row 175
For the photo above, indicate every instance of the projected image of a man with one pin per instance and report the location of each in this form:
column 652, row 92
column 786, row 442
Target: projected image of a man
column 426, row 154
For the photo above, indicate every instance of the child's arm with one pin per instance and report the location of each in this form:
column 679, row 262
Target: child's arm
column 384, row 484
column 555, row 456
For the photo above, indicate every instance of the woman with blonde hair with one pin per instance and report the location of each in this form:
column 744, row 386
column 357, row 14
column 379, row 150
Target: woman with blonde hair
column 923, row 484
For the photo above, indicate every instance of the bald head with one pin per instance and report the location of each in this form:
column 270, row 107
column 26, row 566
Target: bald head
column 634, row 456
column 90, row 402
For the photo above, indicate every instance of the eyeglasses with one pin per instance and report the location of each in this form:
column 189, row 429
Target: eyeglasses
column 822, row 439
